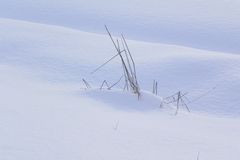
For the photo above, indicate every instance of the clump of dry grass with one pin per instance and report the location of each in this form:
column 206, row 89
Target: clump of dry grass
column 178, row 99
column 128, row 65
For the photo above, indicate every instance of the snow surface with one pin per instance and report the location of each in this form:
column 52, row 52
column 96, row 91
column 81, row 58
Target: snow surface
column 207, row 24
column 47, row 121
column 64, row 55
column 46, row 114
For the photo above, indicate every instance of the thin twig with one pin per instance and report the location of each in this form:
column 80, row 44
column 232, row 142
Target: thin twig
column 134, row 67
column 198, row 156
column 86, row 83
column 115, row 83
column 177, row 103
column 95, row 70
column 203, row 95
column 104, row 82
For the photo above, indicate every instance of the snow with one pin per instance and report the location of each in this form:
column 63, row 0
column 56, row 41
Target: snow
column 191, row 23
column 63, row 55
column 45, row 112
column 46, row 121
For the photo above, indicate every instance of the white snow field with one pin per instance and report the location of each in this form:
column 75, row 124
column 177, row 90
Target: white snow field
column 45, row 113
column 206, row 24
column 63, row 55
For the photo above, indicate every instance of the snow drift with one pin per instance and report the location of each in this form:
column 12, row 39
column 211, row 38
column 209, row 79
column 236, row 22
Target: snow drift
column 65, row 55
column 45, row 113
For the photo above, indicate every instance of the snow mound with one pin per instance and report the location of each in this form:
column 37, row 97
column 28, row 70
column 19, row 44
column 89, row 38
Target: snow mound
column 203, row 24
column 63, row 55
column 126, row 101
